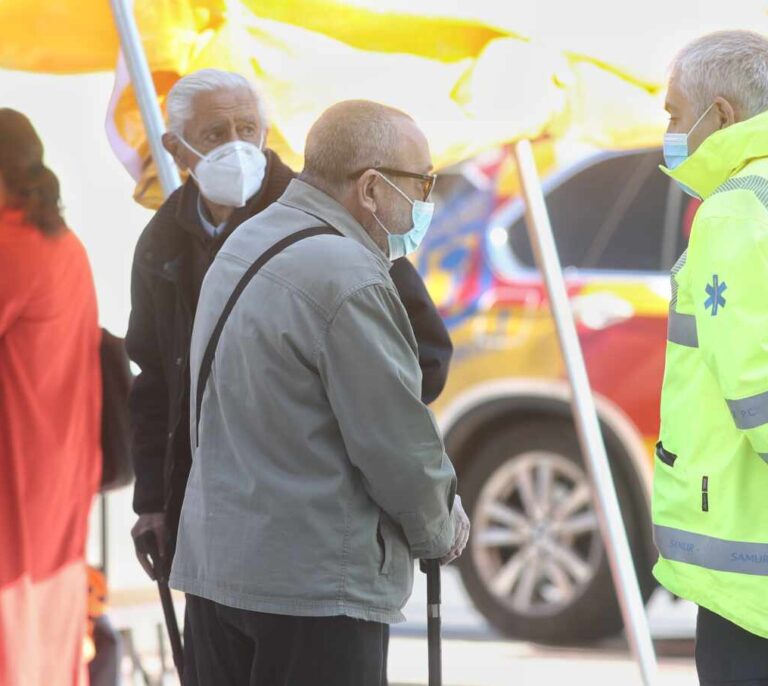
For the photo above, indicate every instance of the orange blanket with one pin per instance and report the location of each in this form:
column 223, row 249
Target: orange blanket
column 50, row 454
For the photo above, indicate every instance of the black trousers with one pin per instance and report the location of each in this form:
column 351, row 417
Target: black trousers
column 241, row 648
column 728, row 655
column 190, row 672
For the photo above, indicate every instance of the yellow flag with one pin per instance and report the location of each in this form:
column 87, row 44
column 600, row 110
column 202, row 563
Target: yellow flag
column 59, row 37
column 475, row 75
column 464, row 105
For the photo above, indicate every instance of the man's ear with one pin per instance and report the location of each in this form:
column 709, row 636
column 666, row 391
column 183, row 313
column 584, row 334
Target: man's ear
column 365, row 195
column 727, row 114
column 172, row 144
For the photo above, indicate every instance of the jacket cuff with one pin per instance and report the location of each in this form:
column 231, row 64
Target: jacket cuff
column 147, row 501
column 438, row 545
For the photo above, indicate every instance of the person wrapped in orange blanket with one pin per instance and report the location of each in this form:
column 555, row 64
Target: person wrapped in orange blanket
column 50, row 419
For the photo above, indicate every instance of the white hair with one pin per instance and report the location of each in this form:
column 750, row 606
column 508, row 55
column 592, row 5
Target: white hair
column 729, row 64
column 180, row 98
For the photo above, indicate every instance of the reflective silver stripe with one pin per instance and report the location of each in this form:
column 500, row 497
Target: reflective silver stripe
column 749, row 413
column 682, row 329
column 711, row 553
column 675, row 271
column 756, row 184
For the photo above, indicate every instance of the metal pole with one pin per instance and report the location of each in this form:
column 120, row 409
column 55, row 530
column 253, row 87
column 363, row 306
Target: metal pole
column 146, row 96
column 590, row 437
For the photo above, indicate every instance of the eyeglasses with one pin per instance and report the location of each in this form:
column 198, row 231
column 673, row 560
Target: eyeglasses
column 427, row 180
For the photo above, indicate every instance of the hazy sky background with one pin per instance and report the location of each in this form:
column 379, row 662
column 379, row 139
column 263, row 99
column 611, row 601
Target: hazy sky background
column 68, row 113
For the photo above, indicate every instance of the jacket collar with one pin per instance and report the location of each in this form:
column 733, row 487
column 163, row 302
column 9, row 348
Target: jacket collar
column 178, row 221
column 722, row 155
column 188, row 215
column 207, row 224
column 302, row 196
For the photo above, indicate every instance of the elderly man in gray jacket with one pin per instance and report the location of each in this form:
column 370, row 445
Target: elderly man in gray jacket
column 319, row 475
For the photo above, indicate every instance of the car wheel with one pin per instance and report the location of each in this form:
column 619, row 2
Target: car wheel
column 535, row 565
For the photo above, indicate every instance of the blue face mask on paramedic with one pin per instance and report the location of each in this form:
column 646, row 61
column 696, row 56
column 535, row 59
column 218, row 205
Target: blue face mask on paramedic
column 404, row 244
column 676, row 149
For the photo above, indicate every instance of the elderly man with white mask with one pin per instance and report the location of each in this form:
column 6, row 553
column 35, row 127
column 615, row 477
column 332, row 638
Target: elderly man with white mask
column 217, row 129
column 709, row 503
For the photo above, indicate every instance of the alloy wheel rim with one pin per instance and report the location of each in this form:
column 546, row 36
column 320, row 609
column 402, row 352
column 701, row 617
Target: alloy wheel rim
column 536, row 539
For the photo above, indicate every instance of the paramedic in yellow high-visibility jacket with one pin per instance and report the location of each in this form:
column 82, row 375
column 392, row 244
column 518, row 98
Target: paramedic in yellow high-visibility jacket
column 710, row 499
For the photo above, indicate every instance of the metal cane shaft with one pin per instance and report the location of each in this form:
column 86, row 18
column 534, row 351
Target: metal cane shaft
column 434, row 623
column 173, row 627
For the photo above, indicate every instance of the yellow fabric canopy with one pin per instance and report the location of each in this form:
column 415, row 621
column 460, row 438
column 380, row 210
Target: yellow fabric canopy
column 475, row 75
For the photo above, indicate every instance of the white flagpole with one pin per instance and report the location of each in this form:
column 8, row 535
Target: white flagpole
column 141, row 78
column 590, row 437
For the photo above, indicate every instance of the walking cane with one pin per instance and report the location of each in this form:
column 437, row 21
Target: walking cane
column 147, row 543
column 432, row 569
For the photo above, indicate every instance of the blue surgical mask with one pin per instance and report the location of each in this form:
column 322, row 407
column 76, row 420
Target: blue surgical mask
column 676, row 150
column 404, row 244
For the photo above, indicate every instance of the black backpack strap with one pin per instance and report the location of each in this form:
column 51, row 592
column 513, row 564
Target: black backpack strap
column 210, row 350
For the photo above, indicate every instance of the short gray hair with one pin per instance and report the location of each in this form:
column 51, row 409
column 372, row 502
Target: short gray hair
column 180, row 98
column 729, row 64
column 350, row 136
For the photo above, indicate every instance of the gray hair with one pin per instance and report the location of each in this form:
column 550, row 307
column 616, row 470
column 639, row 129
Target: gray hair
column 351, row 136
column 729, row 64
column 181, row 96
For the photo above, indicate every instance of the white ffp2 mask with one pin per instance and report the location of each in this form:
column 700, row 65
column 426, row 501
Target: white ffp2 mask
column 230, row 174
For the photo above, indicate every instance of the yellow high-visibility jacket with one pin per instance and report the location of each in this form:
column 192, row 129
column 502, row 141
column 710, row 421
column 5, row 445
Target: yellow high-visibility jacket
column 710, row 498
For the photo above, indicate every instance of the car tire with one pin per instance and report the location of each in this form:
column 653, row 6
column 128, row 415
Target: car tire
column 518, row 571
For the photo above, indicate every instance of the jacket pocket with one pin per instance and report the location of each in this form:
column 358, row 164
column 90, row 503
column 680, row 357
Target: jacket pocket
column 384, row 537
column 665, row 456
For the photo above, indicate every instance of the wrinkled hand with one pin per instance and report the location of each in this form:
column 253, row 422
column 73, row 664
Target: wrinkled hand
column 154, row 522
column 461, row 532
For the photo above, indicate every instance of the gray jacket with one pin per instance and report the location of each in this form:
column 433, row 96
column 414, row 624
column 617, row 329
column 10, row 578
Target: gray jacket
column 319, row 474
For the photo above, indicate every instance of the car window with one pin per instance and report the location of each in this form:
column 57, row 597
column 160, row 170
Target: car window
column 611, row 215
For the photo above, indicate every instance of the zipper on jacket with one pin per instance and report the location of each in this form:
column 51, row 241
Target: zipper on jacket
column 665, row 456
column 705, row 494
